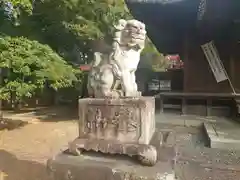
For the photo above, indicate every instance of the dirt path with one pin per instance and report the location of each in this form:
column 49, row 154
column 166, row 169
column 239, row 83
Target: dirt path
column 24, row 151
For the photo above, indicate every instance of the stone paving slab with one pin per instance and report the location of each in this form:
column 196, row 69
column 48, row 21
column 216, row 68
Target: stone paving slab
column 65, row 167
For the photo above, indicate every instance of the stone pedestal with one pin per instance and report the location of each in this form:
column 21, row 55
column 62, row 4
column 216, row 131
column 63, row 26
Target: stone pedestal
column 93, row 167
column 117, row 126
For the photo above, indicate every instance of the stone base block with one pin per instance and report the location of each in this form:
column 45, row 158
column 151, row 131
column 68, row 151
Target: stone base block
column 147, row 154
column 117, row 126
column 97, row 167
column 126, row 120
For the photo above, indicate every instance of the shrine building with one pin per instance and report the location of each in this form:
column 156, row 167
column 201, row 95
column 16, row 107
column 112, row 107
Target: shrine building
column 206, row 35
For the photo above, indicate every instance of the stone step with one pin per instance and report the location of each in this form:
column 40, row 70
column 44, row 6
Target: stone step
column 178, row 136
column 182, row 136
column 223, row 136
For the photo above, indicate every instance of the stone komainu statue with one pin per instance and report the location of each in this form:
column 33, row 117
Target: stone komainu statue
column 113, row 74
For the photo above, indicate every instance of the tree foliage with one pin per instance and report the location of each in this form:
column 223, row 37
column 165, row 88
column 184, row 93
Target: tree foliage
column 158, row 61
column 64, row 25
column 13, row 9
column 68, row 23
column 29, row 66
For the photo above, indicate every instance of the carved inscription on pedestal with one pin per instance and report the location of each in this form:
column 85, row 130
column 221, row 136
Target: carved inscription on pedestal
column 113, row 122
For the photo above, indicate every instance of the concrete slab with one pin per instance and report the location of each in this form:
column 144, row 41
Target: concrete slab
column 223, row 135
column 98, row 167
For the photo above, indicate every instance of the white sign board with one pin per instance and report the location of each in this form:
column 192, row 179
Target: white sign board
column 214, row 61
column 153, row 85
column 165, row 85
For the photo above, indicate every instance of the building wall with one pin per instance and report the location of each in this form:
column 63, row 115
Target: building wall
column 235, row 67
column 198, row 76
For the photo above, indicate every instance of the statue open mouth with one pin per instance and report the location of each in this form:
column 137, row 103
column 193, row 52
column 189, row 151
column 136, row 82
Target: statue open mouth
column 139, row 37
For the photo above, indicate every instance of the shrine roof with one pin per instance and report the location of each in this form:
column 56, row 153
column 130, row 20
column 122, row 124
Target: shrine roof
column 168, row 21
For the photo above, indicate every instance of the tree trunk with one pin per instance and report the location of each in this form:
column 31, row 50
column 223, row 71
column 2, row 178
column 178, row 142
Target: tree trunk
column 1, row 81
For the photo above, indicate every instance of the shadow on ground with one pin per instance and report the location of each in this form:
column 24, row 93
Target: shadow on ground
column 11, row 124
column 60, row 113
column 12, row 168
column 45, row 114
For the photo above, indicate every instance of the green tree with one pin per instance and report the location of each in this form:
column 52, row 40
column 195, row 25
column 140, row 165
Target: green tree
column 30, row 67
column 68, row 23
column 158, row 61
column 14, row 10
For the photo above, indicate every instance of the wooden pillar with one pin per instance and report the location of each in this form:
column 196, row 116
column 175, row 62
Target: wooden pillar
column 186, row 61
column 184, row 104
column 1, row 81
column 209, row 107
column 232, row 70
column 161, row 98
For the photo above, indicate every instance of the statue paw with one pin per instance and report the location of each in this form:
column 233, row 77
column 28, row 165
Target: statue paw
column 134, row 94
column 114, row 94
column 74, row 149
column 138, row 93
column 147, row 155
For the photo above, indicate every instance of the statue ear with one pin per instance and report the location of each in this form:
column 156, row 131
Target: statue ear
column 121, row 25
